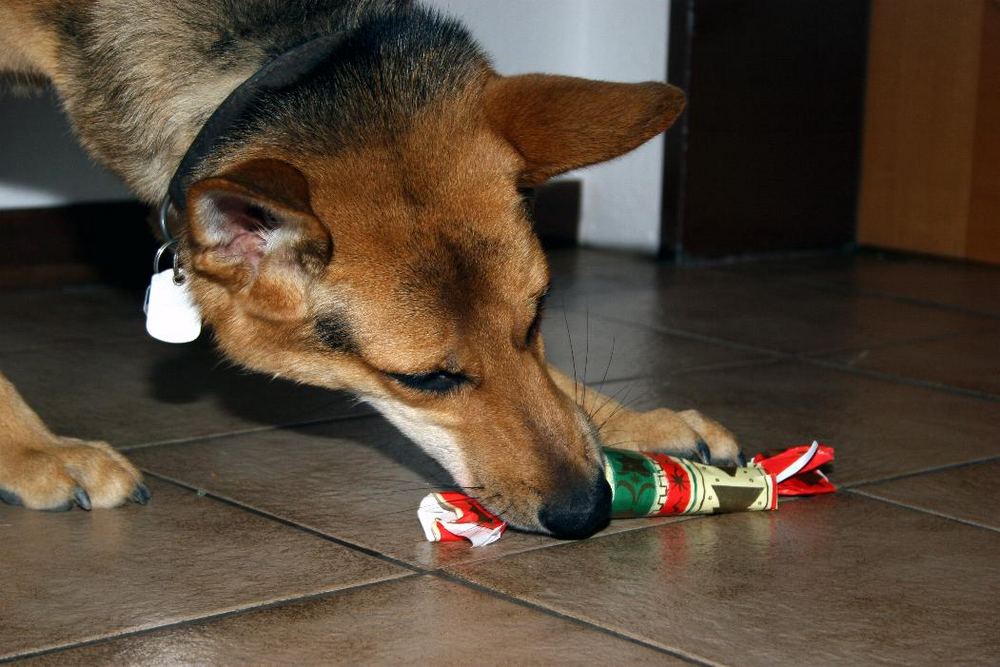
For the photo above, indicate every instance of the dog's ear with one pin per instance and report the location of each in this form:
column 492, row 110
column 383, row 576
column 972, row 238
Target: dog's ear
column 252, row 230
column 558, row 123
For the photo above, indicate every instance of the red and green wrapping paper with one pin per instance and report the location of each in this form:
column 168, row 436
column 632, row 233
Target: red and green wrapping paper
column 652, row 484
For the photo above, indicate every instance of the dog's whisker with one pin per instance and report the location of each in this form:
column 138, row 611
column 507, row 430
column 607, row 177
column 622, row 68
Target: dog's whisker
column 586, row 354
column 572, row 356
column 621, row 405
column 607, row 368
column 609, row 400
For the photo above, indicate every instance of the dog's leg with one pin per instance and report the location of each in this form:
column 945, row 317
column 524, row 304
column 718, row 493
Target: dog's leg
column 688, row 433
column 44, row 471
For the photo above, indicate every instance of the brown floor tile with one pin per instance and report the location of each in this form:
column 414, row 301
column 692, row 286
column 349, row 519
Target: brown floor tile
column 974, row 287
column 146, row 391
column 879, row 428
column 415, row 621
column 966, row 361
column 597, row 346
column 968, row 493
column 76, row 576
column 578, row 271
column 78, row 316
column 835, row 580
column 778, row 315
column 358, row 480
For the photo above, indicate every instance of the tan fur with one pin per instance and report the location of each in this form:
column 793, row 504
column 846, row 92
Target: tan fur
column 45, row 470
column 411, row 238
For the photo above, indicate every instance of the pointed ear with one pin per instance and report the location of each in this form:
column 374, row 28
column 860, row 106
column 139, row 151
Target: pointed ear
column 558, row 123
column 252, row 230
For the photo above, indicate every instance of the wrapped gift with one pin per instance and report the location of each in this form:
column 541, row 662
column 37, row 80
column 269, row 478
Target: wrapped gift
column 652, row 484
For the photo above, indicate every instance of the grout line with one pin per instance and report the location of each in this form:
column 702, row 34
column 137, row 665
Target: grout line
column 833, row 286
column 207, row 618
column 930, row 338
column 901, row 379
column 803, row 277
column 690, row 335
column 705, row 368
column 804, row 357
column 923, row 471
column 288, row 522
column 922, row 510
column 548, row 611
column 673, row 520
column 246, row 431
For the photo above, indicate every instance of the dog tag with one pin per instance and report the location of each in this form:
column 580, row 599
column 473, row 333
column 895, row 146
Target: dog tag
column 171, row 315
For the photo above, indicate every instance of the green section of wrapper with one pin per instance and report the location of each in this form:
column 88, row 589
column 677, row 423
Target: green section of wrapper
column 637, row 484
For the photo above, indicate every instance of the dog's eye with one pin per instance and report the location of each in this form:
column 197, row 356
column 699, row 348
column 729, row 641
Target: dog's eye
column 436, row 382
column 533, row 329
column 536, row 323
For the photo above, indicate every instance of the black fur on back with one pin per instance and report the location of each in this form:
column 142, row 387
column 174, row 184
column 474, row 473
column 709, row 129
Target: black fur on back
column 140, row 77
column 383, row 72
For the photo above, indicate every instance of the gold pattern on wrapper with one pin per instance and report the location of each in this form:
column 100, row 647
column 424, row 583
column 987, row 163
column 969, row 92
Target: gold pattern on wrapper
column 650, row 484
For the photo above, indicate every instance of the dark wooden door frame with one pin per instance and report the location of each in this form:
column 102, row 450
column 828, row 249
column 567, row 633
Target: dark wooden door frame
column 766, row 158
column 675, row 152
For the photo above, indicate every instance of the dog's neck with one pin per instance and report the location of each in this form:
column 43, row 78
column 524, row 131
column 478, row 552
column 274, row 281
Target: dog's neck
column 139, row 80
column 282, row 71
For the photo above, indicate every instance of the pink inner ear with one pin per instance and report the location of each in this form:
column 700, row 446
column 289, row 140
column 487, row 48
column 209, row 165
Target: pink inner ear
column 240, row 228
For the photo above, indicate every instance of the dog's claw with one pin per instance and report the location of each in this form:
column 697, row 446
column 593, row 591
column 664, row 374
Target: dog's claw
column 82, row 499
column 10, row 497
column 703, row 453
column 141, row 494
column 741, row 460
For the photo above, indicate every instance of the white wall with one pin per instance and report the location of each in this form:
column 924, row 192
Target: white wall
column 618, row 40
column 624, row 40
column 40, row 161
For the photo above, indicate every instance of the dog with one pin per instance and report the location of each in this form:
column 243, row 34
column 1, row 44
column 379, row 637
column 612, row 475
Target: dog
column 356, row 226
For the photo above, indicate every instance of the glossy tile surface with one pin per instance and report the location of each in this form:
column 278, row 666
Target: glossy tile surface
column 834, row 580
column 76, row 576
column 81, row 316
column 967, row 493
column 283, row 527
column 787, row 317
column 879, row 428
column 594, row 348
column 357, row 480
column 971, row 287
column 139, row 391
column 415, row 621
column 965, row 361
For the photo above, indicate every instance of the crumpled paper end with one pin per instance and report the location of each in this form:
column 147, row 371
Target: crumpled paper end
column 452, row 517
column 796, row 470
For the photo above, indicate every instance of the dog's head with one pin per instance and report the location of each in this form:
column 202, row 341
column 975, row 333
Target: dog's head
column 403, row 267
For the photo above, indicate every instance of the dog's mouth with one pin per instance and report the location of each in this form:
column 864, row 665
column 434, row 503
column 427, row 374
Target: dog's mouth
column 565, row 500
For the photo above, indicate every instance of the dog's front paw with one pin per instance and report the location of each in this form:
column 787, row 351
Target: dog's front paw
column 687, row 434
column 67, row 472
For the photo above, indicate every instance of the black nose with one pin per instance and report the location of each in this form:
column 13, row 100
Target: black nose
column 579, row 512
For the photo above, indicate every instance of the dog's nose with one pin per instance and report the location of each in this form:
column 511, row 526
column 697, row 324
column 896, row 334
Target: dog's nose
column 578, row 513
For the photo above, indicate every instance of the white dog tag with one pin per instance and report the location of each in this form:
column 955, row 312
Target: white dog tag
column 171, row 315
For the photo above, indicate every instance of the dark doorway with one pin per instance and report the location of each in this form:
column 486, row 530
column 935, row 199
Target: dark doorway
column 766, row 158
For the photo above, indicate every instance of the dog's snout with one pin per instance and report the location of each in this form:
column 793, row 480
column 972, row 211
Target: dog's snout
column 578, row 513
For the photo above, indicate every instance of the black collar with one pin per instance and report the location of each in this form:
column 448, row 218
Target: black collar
column 280, row 72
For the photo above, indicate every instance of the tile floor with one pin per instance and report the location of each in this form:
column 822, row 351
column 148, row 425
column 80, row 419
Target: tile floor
column 283, row 529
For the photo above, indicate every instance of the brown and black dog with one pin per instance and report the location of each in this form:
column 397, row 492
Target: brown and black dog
column 359, row 228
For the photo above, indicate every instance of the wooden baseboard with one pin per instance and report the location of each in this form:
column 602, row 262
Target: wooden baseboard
column 106, row 242
column 113, row 242
column 556, row 212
